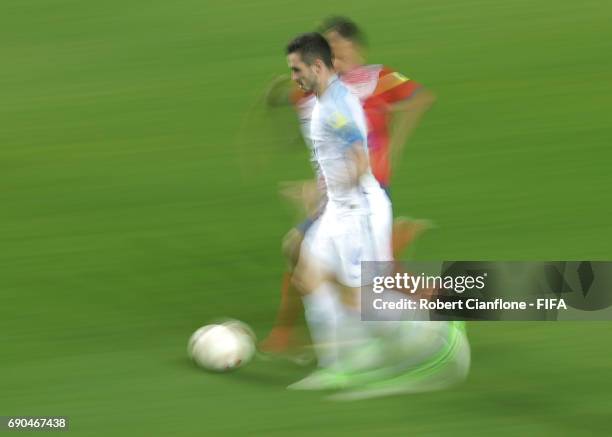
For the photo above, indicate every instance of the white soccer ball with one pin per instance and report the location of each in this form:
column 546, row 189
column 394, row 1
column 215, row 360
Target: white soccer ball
column 222, row 347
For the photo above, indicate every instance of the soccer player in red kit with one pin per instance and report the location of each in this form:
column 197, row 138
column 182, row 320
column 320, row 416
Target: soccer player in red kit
column 393, row 105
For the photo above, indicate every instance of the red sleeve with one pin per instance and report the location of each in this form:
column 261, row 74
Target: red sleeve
column 393, row 87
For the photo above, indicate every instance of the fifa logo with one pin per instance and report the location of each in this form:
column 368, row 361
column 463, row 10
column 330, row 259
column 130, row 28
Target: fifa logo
column 584, row 285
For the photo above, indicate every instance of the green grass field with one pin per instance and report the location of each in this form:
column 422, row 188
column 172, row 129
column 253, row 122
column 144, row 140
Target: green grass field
column 138, row 201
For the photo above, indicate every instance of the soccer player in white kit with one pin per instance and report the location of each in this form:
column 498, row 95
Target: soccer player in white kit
column 355, row 225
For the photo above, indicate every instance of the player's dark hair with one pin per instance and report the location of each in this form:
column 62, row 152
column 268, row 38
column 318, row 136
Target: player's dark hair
column 345, row 27
column 311, row 46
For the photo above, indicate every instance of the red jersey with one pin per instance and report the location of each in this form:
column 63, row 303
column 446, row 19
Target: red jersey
column 378, row 87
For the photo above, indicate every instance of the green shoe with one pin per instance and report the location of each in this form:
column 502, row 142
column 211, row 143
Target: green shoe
column 323, row 379
column 448, row 368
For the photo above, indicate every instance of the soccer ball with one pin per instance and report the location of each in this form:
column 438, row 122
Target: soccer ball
column 222, row 347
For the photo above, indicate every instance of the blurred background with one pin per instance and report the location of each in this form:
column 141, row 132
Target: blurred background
column 139, row 200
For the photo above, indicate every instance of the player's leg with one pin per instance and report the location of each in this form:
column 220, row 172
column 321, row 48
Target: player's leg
column 338, row 336
column 347, row 347
column 379, row 337
column 312, row 277
column 416, row 355
column 331, row 263
column 282, row 337
column 362, row 238
column 325, row 307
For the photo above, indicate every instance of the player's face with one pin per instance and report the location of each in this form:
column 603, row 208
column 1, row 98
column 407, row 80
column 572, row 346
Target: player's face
column 302, row 74
column 343, row 50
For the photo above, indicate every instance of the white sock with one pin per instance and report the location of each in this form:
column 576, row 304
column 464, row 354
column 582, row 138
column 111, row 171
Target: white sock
column 356, row 351
column 321, row 311
column 389, row 320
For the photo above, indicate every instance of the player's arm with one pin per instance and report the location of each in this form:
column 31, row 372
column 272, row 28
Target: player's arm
column 406, row 116
column 358, row 158
column 407, row 101
column 355, row 150
column 305, row 195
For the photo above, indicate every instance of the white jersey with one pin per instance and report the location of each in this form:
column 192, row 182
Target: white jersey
column 337, row 123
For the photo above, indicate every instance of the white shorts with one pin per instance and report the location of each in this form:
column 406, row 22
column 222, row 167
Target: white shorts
column 340, row 239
